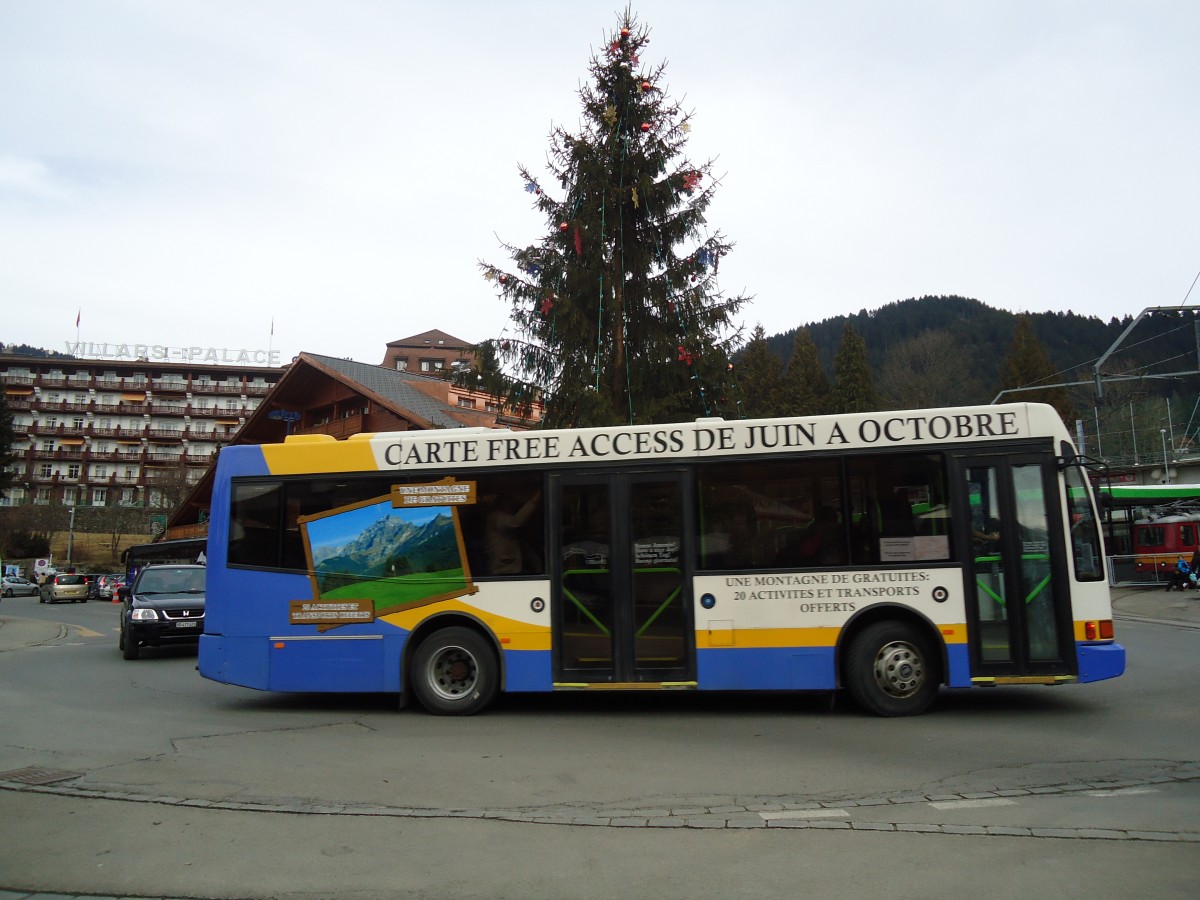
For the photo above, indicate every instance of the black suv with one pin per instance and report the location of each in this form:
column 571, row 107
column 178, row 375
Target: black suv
column 164, row 605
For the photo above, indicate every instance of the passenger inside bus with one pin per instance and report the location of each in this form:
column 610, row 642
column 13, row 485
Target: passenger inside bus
column 508, row 550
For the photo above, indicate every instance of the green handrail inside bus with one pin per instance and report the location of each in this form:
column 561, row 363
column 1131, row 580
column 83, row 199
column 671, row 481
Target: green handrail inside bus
column 649, row 570
column 1038, row 588
column 579, row 604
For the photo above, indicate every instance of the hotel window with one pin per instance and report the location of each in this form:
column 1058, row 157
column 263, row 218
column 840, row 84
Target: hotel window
column 78, row 422
column 100, row 471
column 70, row 496
column 73, row 470
column 402, row 363
column 491, row 406
column 432, row 365
column 99, row 496
column 466, row 402
column 45, row 470
column 128, row 495
column 42, row 496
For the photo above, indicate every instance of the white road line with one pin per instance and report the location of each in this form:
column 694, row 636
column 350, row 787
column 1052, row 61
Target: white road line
column 973, row 804
column 804, row 814
column 1121, row 792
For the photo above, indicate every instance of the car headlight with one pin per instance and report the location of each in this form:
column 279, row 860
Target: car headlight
column 143, row 615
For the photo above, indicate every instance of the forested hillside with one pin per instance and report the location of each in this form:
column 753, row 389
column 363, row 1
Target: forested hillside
column 970, row 340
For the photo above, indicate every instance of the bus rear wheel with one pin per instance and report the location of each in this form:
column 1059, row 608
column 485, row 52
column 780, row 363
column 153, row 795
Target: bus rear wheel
column 890, row 670
column 455, row 673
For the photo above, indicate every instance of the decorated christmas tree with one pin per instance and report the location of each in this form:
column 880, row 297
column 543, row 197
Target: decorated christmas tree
column 616, row 313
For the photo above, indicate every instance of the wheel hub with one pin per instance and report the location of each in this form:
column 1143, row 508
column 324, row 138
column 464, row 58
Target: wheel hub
column 899, row 669
column 453, row 672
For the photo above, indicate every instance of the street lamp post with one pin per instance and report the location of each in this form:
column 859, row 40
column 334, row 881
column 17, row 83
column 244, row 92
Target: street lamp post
column 71, row 537
column 1166, row 465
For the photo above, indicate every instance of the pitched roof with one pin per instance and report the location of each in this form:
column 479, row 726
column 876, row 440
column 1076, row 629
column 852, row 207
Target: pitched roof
column 393, row 387
column 435, row 338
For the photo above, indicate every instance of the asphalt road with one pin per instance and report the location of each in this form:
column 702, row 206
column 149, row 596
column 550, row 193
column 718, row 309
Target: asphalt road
column 141, row 779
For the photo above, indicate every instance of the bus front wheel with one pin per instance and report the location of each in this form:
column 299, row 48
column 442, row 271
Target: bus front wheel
column 454, row 672
column 890, row 670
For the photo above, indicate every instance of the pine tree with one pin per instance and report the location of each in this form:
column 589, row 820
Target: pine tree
column 853, row 389
column 806, row 390
column 1027, row 365
column 760, row 378
column 617, row 313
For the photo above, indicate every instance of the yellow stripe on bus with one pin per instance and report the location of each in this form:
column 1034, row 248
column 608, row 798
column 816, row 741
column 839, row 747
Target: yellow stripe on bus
column 757, row 638
column 308, row 457
column 513, row 634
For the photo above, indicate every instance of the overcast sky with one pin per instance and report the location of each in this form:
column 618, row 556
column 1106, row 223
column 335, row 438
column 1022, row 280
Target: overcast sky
column 185, row 173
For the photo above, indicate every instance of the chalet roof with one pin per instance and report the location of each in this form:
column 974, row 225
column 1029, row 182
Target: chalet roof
column 433, row 338
column 393, row 387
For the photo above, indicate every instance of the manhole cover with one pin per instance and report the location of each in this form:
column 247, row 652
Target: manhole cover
column 35, row 775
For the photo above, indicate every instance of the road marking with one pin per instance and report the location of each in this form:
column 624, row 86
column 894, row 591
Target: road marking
column 973, row 804
column 1121, row 792
column 804, row 814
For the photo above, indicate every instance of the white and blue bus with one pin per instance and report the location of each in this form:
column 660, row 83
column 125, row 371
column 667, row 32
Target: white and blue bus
column 888, row 554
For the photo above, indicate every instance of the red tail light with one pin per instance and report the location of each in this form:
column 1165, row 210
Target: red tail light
column 1102, row 630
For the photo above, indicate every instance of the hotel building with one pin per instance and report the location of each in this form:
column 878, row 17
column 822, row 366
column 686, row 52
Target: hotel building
column 106, row 432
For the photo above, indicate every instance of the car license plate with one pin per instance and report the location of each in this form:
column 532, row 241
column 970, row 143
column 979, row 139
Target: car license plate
column 186, row 624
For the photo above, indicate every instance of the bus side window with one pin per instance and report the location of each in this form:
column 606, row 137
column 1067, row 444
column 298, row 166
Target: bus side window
column 900, row 509
column 254, row 524
column 788, row 515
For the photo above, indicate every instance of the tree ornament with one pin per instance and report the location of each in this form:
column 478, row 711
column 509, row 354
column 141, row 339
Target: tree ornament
column 547, row 305
column 563, row 226
column 504, row 279
column 690, row 180
column 532, row 188
column 624, row 32
column 634, row 194
column 645, row 127
column 647, row 87
column 610, row 116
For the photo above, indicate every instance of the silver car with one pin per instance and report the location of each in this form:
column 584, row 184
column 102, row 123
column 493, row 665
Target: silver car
column 16, row 586
column 66, row 587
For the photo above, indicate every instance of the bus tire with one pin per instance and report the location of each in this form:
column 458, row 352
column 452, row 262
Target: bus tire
column 890, row 670
column 454, row 672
